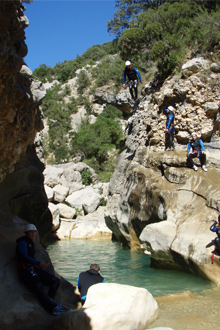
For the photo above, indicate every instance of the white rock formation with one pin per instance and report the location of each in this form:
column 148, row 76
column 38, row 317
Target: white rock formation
column 111, row 307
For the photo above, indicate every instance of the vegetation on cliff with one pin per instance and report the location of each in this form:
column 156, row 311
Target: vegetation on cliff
column 154, row 35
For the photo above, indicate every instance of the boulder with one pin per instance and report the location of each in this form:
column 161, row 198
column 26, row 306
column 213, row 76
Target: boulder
column 92, row 226
column 111, row 307
column 87, row 199
column 55, row 215
column 49, row 192
column 60, row 193
column 66, row 211
column 195, row 65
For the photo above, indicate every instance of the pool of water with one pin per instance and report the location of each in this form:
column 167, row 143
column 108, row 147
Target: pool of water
column 120, row 265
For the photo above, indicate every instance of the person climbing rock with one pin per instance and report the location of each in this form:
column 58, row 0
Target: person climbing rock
column 215, row 227
column 87, row 279
column 198, row 151
column 216, row 251
column 170, row 130
column 33, row 274
column 133, row 75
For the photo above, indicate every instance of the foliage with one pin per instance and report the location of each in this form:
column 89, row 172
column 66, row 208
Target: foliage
column 162, row 33
column 86, row 176
column 107, row 70
column 82, row 81
column 131, row 43
column 43, row 73
column 96, row 140
column 206, row 31
column 67, row 70
column 128, row 10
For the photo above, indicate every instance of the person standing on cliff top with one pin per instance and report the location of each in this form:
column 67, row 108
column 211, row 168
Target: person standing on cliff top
column 198, row 151
column 32, row 272
column 133, row 75
column 87, row 279
column 170, row 130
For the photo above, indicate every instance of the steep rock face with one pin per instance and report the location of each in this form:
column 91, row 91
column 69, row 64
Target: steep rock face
column 21, row 180
column 156, row 203
column 19, row 308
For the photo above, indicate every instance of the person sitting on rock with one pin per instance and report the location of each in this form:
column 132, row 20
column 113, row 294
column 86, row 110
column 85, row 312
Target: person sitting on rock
column 198, row 150
column 87, row 279
column 32, row 272
column 133, row 75
column 170, row 130
column 215, row 227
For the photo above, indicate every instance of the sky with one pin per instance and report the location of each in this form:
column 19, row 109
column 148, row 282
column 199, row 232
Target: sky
column 60, row 30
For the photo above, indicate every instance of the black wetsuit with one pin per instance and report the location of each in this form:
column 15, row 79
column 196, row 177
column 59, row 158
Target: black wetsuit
column 87, row 279
column 30, row 273
column 197, row 148
column 133, row 75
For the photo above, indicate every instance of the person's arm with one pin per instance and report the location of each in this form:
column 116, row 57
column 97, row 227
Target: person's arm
column 188, row 148
column 170, row 118
column 22, row 248
column 202, row 145
column 124, row 78
column 211, row 243
column 213, row 227
column 138, row 73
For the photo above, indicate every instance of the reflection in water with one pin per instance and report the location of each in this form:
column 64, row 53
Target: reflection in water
column 120, row 265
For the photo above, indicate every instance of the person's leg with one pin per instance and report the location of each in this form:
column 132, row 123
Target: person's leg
column 203, row 159
column 51, row 281
column 33, row 282
column 189, row 158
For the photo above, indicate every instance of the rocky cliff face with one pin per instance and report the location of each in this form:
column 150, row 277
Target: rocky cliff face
column 21, row 180
column 156, row 202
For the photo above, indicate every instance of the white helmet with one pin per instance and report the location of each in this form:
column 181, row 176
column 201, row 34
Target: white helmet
column 171, row 108
column 127, row 63
column 194, row 133
column 30, row 227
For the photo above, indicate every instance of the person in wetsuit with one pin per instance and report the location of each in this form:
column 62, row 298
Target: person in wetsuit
column 87, row 279
column 198, row 150
column 170, row 130
column 33, row 274
column 215, row 227
column 133, row 75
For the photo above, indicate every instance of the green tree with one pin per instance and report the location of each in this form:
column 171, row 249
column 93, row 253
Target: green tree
column 82, row 81
column 131, row 43
column 128, row 10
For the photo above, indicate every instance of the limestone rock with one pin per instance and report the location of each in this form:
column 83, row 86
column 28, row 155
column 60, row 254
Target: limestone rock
column 66, row 211
column 55, row 215
column 87, row 199
column 91, row 226
column 49, row 192
column 111, row 306
column 18, row 304
column 60, row 193
column 195, row 65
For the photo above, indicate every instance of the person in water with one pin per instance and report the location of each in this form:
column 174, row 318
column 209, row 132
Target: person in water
column 33, row 274
column 87, row 279
column 170, row 130
column 133, row 75
column 198, row 151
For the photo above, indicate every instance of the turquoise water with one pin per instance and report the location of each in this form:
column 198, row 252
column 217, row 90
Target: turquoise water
column 120, row 265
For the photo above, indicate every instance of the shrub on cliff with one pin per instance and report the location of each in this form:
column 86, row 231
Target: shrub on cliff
column 96, row 140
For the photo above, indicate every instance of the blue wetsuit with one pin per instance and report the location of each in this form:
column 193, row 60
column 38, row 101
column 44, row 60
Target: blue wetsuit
column 171, row 130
